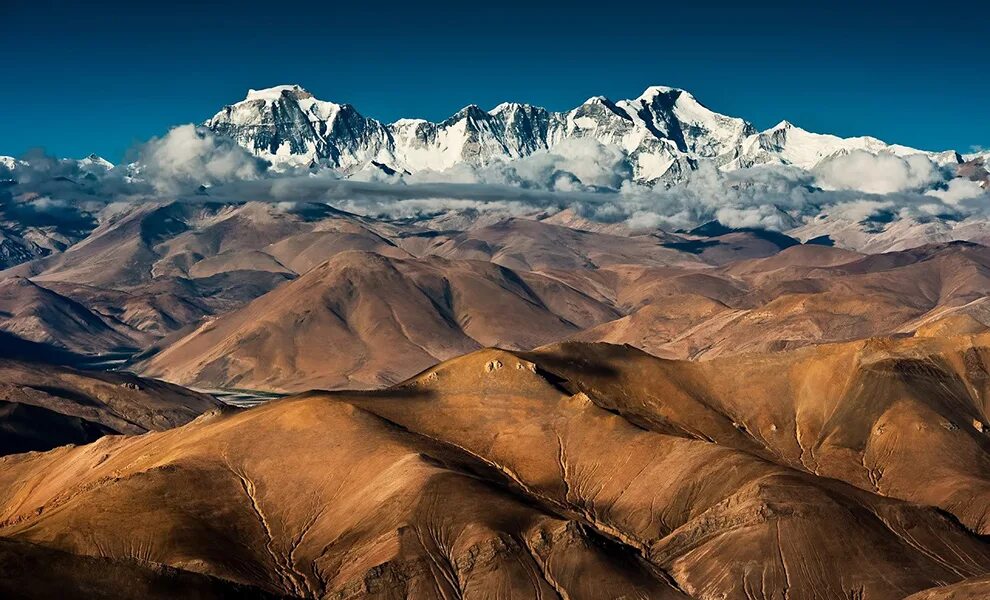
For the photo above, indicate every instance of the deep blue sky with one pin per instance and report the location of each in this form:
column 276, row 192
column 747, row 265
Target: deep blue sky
column 100, row 76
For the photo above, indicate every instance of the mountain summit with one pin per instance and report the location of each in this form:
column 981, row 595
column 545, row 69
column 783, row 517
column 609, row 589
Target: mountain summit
column 665, row 133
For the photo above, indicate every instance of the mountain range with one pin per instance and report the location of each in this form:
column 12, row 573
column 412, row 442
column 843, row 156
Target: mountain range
column 657, row 140
column 664, row 133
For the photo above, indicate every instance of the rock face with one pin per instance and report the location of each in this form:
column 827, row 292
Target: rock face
column 579, row 471
column 664, row 133
column 15, row 248
column 977, row 169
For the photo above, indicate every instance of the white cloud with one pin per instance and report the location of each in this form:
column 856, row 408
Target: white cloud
column 758, row 217
column 860, row 210
column 187, row 157
column 877, row 173
column 573, row 165
column 958, row 190
column 583, row 174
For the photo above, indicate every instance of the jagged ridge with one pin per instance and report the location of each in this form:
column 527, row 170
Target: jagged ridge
column 664, row 132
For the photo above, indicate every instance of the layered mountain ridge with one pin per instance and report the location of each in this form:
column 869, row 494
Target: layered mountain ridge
column 664, row 133
column 576, row 471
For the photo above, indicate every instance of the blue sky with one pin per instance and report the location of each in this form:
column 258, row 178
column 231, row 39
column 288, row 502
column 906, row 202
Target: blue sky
column 101, row 76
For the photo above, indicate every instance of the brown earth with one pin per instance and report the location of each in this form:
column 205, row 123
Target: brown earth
column 43, row 406
column 361, row 320
column 578, row 471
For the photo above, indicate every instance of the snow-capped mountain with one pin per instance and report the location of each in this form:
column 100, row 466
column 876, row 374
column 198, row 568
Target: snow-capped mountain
column 91, row 164
column 95, row 162
column 786, row 143
column 288, row 126
column 665, row 132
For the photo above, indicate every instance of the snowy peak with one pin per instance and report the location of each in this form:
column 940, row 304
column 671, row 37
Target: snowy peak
column 289, row 127
column 511, row 108
column 665, row 132
column 469, row 112
column 788, row 144
column 658, row 90
column 96, row 161
column 276, row 92
column 694, row 128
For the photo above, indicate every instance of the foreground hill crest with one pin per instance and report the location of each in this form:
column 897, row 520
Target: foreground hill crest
column 574, row 471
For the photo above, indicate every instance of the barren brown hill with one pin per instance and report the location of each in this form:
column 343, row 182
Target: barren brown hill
column 718, row 245
column 119, row 252
column 137, row 245
column 30, row 571
column 976, row 588
column 172, row 276
column 803, row 295
column 163, row 306
column 38, row 314
column 529, row 245
column 267, row 498
column 267, row 237
column 363, row 320
column 907, row 418
column 110, row 276
column 489, row 475
column 43, row 405
column 154, row 269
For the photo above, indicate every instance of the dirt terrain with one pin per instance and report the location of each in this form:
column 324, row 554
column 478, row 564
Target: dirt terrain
column 577, row 471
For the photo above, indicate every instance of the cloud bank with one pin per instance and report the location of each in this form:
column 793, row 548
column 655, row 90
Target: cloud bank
column 193, row 164
column 877, row 173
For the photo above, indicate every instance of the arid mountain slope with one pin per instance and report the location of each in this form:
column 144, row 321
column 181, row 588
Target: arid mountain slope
column 976, row 588
column 172, row 277
column 164, row 306
column 266, row 497
column 489, row 475
column 43, row 405
column 29, row 571
column 136, row 244
column 907, row 418
column 156, row 268
column 803, row 295
column 528, row 245
column 363, row 320
column 38, row 314
column 118, row 252
column 151, row 270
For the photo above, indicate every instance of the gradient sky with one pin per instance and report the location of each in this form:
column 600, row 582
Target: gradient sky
column 102, row 76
